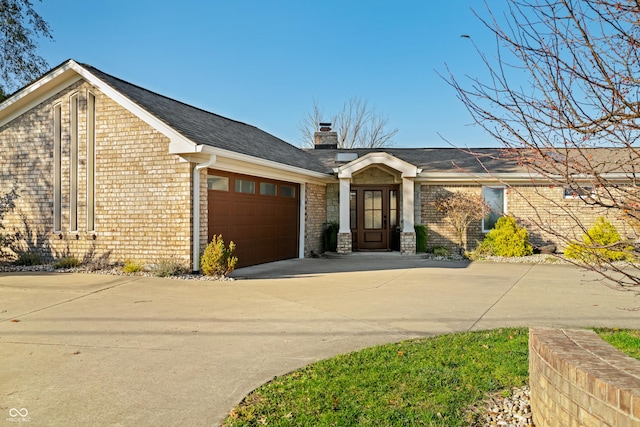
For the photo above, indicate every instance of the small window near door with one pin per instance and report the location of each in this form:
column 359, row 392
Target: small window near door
column 494, row 197
column 287, row 191
column 218, row 183
column 245, row 186
column 268, row 189
column 393, row 208
column 353, row 209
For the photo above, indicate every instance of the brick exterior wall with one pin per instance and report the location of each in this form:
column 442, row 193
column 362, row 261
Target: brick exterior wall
column 531, row 205
column 439, row 231
column 315, row 218
column 546, row 205
column 142, row 193
column 577, row 379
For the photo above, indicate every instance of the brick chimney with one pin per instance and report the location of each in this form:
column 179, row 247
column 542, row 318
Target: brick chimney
column 325, row 138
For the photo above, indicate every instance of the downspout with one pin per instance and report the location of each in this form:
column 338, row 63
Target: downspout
column 196, row 210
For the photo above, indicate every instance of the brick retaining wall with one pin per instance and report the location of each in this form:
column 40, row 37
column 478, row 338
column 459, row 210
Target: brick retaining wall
column 577, row 379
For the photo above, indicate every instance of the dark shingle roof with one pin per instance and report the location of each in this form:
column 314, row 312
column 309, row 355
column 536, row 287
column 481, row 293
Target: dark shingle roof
column 434, row 159
column 499, row 160
column 203, row 127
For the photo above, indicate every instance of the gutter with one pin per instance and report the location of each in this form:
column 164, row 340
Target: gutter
column 196, row 211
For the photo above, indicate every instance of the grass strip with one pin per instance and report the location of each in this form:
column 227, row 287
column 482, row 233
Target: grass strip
column 429, row 382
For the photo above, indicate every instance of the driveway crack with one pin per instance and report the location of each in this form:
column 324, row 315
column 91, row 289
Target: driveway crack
column 501, row 297
column 106, row 288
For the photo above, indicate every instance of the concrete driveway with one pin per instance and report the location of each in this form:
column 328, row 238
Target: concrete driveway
column 79, row 349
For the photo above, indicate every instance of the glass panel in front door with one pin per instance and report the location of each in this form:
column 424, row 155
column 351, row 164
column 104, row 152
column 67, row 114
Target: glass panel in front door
column 373, row 209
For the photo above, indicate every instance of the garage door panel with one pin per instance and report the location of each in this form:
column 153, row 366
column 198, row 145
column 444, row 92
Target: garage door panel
column 264, row 227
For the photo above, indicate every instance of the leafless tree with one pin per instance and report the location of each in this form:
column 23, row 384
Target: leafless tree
column 358, row 125
column 461, row 209
column 564, row 83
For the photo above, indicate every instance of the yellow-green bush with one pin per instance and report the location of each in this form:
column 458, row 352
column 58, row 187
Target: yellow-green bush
column 131, row 266
column 507, row 239
column 597, row 244
column 217, row 259
column 67, row 262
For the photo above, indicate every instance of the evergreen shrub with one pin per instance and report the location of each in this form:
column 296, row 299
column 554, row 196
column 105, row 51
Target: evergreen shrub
column 506, row 239
column 218, row 259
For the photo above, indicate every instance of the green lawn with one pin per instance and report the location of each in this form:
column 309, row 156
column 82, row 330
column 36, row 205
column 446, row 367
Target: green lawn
column 419, row 382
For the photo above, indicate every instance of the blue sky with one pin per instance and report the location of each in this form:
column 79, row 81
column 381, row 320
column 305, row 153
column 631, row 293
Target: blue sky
column 264, row 62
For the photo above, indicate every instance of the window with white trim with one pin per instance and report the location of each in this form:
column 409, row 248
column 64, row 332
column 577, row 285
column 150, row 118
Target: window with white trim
column 578, row 192
column 496, row 201
column 73, row 163
column 57, row 168
column 91, row 161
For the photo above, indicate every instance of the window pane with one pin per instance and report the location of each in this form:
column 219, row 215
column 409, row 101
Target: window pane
column 372, row 209
column 377, row 200
column 494, row 198
column 353, row 209
column 287, row 191
column 267, row 189
column 368, row 219
column 219, row 183
column 579, row 192
column 244, row 186
column 393, row 205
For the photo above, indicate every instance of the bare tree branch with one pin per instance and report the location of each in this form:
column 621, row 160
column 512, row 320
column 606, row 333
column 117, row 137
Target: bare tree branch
column 358, row 125
column 563, row 99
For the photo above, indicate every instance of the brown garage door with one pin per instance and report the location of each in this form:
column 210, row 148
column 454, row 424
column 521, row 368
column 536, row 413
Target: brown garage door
column 259, row 215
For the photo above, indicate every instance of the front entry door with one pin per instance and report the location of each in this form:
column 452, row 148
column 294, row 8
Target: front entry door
column 375, row 216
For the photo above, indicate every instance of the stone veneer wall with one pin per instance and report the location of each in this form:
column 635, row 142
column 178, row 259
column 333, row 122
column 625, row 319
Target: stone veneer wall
column 577, row 379
column 529, row 204
column 143, row 196
column 333, row 202
column 315, row 218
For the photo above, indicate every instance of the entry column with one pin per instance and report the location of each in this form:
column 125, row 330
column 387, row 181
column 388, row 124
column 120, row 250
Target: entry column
column 408, row 234
column 344, row 232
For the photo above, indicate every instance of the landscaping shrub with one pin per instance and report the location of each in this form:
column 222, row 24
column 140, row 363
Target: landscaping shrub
column 421, row 238
column 7, row 204
column 507, row 239
column 441, row 251
column 28, row 258
column 330, row 236
column 131, row 266
column 166, row 267
column 217, row 259
column 67, row 262
column 602, row 233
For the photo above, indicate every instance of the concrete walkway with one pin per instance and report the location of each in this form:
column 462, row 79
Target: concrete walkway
column 78, row 349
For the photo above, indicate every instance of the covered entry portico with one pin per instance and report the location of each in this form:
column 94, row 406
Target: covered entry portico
column 369, row 211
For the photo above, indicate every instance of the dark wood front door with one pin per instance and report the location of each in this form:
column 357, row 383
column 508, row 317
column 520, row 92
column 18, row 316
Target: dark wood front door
column 374, row 210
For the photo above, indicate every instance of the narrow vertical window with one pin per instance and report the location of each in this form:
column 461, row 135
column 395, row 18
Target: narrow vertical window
column 494, row 198
column 57, row 168
column 73, row 164
column 91, row 161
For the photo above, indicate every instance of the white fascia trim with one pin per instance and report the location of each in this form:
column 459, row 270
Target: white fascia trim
column 177, row 140
column 407, row 170
column 28, row 98
column 496, row 179
column 477, row 178
column 249, row 165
